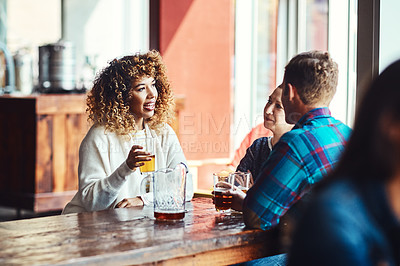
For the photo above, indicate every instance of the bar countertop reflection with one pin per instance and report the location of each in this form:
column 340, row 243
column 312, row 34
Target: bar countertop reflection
column 132, row 236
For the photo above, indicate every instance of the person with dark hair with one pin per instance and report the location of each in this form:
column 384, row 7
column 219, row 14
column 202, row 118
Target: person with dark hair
column 354, row 217
column 131, row 99
column 305, row 154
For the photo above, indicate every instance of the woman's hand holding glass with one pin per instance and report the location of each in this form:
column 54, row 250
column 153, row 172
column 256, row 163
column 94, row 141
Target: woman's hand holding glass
column 137, row 156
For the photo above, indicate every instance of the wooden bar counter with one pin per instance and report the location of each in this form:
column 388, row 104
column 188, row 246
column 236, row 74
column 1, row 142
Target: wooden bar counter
column 133, row 237
column 40, row 137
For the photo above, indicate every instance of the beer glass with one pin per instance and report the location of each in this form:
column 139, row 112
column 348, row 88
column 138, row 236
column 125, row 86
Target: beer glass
column 241, row 180
column 148, row 146
column 223, row 181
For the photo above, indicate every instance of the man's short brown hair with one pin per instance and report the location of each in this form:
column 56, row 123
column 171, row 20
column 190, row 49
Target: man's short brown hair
column 315, row 76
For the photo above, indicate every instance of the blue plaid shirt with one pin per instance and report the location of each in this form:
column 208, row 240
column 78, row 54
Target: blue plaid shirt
column 301, row 158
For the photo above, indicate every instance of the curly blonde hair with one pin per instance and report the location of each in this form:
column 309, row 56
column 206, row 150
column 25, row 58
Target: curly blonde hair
column 108, row 100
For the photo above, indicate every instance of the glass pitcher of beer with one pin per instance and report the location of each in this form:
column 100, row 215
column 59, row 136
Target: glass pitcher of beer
column 169, row 193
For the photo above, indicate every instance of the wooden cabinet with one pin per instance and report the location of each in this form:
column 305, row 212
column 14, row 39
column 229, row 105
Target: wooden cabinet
column 40, row 137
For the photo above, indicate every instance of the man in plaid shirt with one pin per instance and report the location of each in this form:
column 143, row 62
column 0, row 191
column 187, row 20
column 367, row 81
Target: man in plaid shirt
column 307, row 153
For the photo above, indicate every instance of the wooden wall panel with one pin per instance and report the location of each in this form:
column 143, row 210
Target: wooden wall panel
column 44, row 154
column 39, row 153
column 59, row 151
column 77, row 127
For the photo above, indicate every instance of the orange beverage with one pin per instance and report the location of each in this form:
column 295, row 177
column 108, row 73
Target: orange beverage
column 169, row 215
column 149, row 166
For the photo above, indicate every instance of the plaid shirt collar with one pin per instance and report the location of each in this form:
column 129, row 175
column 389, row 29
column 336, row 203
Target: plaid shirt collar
column 311, row 115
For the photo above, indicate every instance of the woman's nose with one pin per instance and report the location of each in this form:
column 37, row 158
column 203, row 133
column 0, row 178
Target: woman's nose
column 268, row 109
column 151, row 91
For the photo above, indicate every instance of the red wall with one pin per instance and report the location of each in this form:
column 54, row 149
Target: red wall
column 196, row 40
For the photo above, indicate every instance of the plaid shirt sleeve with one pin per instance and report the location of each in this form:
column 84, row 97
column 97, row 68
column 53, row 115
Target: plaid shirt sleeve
column 280, row 184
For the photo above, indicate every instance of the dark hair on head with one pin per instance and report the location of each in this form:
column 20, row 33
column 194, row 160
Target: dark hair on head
column 370, row 153
column 315, row 76
column 108, row 100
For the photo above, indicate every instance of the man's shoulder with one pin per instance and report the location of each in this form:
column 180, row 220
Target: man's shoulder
column 320, row 126
column 327, row 121
column 314, row 135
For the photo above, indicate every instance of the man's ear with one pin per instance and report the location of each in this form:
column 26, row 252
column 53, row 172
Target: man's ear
column 292, row 91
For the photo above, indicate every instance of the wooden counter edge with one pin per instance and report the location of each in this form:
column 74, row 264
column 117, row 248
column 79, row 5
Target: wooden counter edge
column 230, row 250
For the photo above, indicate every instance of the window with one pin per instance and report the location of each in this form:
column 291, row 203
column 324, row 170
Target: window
column 102, row 30
column 270, row 32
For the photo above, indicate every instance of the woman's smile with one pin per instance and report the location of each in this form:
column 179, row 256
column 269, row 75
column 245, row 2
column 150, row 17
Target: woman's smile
column 150, row 105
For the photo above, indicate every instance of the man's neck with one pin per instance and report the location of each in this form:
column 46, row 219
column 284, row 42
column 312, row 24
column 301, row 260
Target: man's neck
column 308, row 108
column 304, row 109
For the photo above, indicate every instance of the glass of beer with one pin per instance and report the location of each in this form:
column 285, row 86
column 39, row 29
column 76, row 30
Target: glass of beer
column 223, row 181
column 242, row 180
column 148, row 146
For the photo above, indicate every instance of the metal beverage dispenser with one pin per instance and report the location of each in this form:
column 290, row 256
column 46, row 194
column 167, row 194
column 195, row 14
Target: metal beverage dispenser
column 57, row 67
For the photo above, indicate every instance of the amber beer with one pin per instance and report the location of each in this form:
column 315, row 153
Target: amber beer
column 169, row 215
column 149, row 166
column 222, row 202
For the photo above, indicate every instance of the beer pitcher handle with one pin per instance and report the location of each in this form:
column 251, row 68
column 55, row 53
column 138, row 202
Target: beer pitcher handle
column 146, row 189
column 189, row 180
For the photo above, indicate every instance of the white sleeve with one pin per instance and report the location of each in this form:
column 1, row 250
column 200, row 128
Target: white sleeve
column 97, row 190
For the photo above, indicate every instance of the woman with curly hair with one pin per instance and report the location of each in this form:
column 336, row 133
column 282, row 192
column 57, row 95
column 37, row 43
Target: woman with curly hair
column 131, row 99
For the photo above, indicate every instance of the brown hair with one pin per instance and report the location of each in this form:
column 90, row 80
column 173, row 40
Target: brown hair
column 108, row 100
column 315, row 76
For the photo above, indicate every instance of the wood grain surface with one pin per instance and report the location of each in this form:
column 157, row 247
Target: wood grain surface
column 133, row 237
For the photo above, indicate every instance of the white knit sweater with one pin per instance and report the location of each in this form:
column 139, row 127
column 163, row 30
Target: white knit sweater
column 104, row 177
